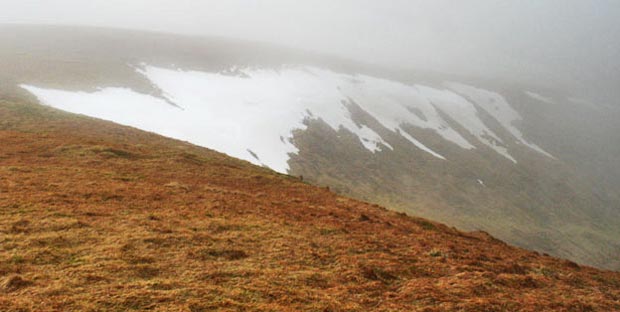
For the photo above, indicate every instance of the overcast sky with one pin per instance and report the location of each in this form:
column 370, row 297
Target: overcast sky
column 576, row 40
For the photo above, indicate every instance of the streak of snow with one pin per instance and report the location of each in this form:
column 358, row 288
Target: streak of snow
column 465, row 113
column 540, row 97
column 498, row 108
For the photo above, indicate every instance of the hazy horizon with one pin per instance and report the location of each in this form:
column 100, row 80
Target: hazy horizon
column 555, row 43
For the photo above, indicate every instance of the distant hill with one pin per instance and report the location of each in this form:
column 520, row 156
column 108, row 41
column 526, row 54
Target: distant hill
column 535, row 167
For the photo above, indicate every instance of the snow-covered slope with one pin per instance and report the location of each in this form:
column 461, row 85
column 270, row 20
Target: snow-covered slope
column 251, row 113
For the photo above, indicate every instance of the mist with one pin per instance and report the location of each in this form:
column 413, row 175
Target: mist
column 554, row 43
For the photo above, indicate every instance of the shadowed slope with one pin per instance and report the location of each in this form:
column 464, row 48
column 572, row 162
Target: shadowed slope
column 96, row 216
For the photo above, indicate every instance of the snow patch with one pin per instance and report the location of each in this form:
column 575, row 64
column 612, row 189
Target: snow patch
column 465, row 113
column 498, row 108
column 539, row 97
column 251, row 113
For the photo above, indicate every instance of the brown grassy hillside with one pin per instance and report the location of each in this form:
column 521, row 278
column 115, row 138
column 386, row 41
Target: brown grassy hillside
column 100, row 217
column 567, row 207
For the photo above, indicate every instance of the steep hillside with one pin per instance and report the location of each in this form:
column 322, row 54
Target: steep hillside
column 535, row 167
column 97, row 216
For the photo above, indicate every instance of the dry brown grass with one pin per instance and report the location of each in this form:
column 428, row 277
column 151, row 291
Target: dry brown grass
column 99, row 217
